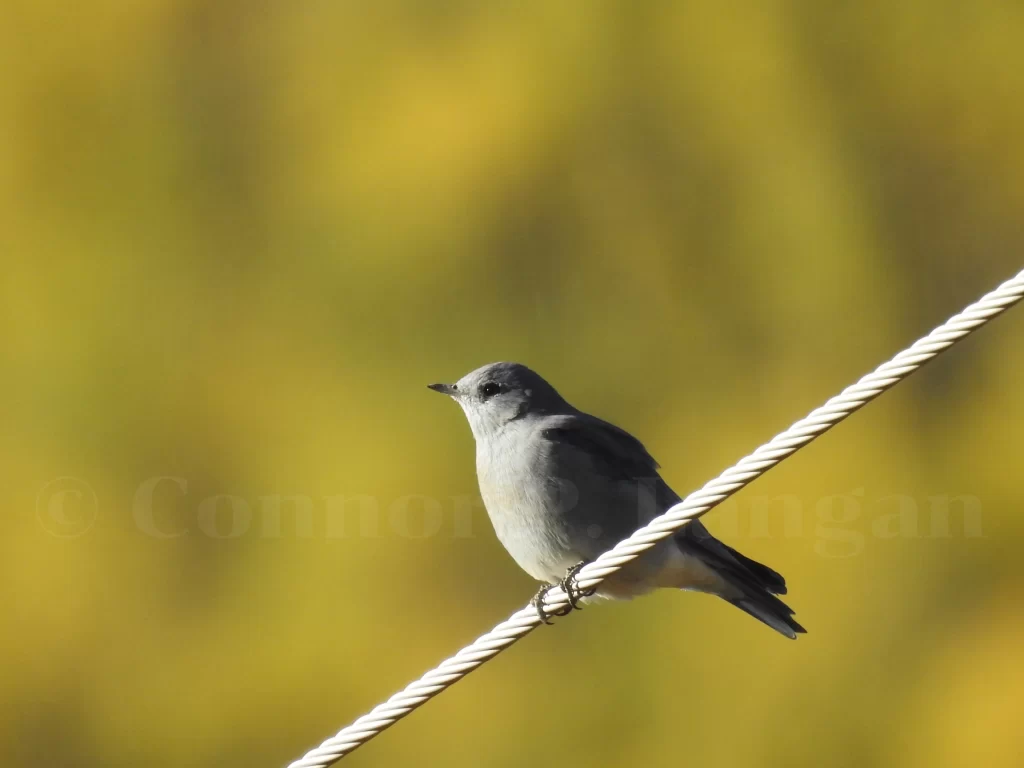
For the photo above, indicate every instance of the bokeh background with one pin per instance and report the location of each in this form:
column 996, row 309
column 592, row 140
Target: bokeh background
column 237, row 240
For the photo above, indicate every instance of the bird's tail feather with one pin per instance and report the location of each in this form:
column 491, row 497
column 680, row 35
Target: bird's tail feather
column 770, row 610
column 769, row 578
column 749, row 585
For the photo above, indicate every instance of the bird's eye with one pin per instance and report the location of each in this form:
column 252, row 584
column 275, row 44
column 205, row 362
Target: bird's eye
column 490, row 389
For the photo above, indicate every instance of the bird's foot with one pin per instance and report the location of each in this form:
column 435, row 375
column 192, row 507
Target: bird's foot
column 538, row 603
column 568, row 585
column 572, row 592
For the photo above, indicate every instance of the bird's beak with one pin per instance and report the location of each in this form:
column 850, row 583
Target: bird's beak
column 444, row 389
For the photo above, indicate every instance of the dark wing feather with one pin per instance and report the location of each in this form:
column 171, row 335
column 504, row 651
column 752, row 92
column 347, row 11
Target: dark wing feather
column 618, row 455
column 615, row 452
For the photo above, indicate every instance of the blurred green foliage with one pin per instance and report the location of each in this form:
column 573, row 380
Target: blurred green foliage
column 238, row 239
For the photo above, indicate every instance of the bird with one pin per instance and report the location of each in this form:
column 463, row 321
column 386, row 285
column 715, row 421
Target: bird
column 562, row 486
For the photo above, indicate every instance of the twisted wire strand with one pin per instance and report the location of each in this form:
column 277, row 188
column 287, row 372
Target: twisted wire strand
column 524, row 621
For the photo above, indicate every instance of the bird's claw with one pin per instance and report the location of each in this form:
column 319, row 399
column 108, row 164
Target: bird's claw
column 568, row 585
column 572, row 593
column 538, row 603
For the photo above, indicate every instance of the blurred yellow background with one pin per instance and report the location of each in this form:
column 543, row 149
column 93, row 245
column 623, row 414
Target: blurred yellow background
column 238, row 239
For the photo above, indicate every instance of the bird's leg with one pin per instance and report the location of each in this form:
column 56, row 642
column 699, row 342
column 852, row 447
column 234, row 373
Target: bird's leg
column 538, row 602
column 572, row 593
column 568, row 585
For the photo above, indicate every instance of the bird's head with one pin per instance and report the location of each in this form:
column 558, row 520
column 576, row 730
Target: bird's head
column 500, row 393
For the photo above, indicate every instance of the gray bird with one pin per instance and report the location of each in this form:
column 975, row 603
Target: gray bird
column 561, row 487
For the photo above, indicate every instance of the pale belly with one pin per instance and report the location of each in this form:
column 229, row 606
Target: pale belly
column 531, row 528
column 537, row 537
column 544, row 527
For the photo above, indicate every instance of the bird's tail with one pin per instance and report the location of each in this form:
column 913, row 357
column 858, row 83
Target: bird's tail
column 772, row 611
column 745, row 583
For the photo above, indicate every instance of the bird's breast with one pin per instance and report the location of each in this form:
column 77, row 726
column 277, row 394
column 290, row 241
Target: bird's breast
column 527, row 506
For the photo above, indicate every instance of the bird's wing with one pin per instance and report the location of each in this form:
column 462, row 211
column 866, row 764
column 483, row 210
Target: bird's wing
column 615, row 453
column 612, row 481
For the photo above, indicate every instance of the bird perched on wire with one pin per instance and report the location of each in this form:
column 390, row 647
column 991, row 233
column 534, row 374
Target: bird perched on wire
column 561, row 487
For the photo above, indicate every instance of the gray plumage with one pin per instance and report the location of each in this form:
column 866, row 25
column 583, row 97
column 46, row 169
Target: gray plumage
column 561, row 486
